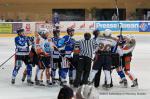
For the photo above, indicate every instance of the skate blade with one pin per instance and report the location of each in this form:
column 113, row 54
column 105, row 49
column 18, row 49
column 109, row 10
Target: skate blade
column 30, row 84
column 106, row 88
column 123, row 86
column 136, row 87
column 40, row 85
column 49, row 85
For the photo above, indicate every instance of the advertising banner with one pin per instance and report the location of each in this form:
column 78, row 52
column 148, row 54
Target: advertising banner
column 29, row 27
column 144, row 26
column 17, row 26
column 5, row 28
column 79, row 26
column 114, row 25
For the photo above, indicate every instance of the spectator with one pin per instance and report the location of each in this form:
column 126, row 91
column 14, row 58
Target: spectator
column 65, row 93
column 2, row 19
column 145, row 17
column 114, row 17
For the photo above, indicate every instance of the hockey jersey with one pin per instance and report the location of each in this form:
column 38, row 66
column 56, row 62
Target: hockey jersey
column 107, row 44
column 22, row 45
column 56, row 54
column 44, row 46
column 47, row 46
column 67, row 43
column 129, row 46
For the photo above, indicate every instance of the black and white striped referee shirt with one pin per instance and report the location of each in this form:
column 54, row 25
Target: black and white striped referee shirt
column 87, row 47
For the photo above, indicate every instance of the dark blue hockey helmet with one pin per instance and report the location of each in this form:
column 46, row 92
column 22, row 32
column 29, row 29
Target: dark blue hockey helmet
column 55, row 31
column 70, row 30
column 20, row 30
column 96, row 32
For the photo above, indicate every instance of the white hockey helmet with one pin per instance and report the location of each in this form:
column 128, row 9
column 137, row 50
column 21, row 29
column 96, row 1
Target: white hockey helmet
column 42, row 31
column 130, row 37
column 107, row 32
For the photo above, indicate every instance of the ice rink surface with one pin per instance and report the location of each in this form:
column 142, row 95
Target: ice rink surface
column 140, row 67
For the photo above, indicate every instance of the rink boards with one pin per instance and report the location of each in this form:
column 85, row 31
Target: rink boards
column 8, row 29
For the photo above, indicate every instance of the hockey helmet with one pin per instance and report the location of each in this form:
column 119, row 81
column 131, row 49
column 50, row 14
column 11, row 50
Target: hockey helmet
column 43, row 31
column 20, row 30
column 70, row 30
column 55, row 31
column 96, row 33
column 107, row 32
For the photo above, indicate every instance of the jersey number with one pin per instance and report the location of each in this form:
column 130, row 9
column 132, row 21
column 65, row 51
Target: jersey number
column 103, row 47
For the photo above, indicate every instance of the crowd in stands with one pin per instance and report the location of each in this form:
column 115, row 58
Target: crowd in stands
column 78, row 18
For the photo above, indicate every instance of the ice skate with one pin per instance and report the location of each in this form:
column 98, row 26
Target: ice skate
column 135, row 83
column 49, row 83
column 23, row 78
column 63, row 83
column 12, row 81
column 30, row 82
column 106, row 86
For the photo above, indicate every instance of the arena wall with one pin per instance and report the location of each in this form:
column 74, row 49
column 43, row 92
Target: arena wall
column 8, row 29
column 42, row 9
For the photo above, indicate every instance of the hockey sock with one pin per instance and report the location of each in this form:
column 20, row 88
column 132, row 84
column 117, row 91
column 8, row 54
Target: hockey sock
column 29, row 71
column 59, row 72
column 131, row 76
column 92, row 75
column 36, row 74
column 39, row 74
column 53, row 73
column 47, row 73
column 72, row 73
column 63, row 73
column 108, row 76
column 121, row 74
column 15, row 72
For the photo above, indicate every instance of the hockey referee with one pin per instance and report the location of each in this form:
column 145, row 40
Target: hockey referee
column 86, row 47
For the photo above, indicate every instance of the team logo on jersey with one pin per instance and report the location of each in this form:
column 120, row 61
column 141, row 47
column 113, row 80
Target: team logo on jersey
column 47, row 47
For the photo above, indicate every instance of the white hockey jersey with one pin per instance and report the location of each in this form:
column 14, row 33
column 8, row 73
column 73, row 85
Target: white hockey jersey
column 47, row 46
column 106, row 44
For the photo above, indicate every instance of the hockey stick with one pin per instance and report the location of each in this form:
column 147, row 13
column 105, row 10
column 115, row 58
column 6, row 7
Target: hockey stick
column 117, row 10
column 7, row 60
column 120, row 27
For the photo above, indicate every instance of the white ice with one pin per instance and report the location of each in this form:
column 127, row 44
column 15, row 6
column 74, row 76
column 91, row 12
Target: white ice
column 140, row 67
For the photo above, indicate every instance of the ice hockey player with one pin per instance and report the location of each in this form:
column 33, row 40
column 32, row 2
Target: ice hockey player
column 103, row 57
column 117, row 53
column 22, row 55
column 66, row 45
column 96, row 34
column 56, row 56
column 44, row 47
column 33, row 57
column 128, row 48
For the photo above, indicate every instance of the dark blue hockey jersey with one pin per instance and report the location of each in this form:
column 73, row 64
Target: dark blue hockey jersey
column 22, row 45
